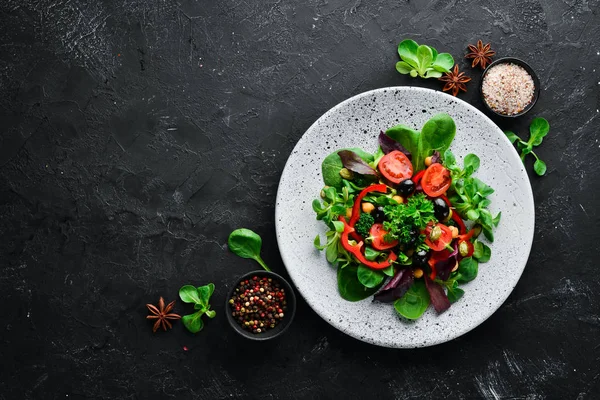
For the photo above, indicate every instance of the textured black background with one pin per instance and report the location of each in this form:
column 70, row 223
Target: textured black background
column 137, row 134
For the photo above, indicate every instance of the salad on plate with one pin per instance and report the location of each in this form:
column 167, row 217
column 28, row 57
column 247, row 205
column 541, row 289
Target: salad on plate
column 406, row 224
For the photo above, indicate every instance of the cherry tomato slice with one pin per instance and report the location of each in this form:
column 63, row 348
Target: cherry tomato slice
column 378, row 234
column 436, row 180
column 395, row 167
column 442, row 241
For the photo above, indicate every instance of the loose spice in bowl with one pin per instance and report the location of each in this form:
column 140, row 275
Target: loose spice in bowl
column 261, row 305
column 509, row 87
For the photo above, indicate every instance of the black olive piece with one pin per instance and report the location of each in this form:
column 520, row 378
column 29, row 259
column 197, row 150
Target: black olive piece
column 378, row 214
column 420, row 258
column 406, row 188
column 440, row 209
column 414, row 236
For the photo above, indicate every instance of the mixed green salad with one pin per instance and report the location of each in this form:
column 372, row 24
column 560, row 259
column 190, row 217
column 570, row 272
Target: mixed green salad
column 405, row 223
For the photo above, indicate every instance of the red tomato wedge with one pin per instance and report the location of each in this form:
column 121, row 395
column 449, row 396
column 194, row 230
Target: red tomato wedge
column 378, row 234
column 436, row 180
column 395, row 167
column 441, row 242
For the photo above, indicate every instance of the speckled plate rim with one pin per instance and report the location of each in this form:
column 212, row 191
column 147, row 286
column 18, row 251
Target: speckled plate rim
column 481, row 317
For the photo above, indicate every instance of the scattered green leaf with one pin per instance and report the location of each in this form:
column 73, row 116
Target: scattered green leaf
column 538, row 130
column 422, row 60
column 247, row 244
column 200, row 296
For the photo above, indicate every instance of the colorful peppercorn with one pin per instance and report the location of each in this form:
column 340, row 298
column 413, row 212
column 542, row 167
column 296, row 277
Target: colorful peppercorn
column 258, row 304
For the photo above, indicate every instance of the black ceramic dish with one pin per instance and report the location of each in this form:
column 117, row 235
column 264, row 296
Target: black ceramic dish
column 282, row 325
column 530, row 71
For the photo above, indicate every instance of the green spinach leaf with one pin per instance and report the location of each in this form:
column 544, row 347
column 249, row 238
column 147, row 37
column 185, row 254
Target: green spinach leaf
column 193, row 322
column 482, row 252
column 247, row 244
column 414, row 302
column 332, row 164
column 467, row 270
column 200, row 296
column 538, row 130
column 350, row 287
column 369, row 277
column 436, row 134
column 423, row 60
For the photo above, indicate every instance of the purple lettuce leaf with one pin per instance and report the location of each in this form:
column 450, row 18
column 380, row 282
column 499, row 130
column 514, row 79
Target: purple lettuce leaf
column 437, row 295
column 388, row 145
column 354, row 163
column 444, row 268
column 396, row 287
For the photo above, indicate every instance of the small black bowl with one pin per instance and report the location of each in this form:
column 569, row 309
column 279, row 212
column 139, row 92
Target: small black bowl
column 289, row 314
column 530, row 71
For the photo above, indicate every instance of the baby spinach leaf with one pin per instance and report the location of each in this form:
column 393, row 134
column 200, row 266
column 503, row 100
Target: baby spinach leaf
column 332, row 164
column 407, row 137
column 350, row 287
column 247, row 244
column 472, row 163
column 414, row 302
column 331, row 252
column 467, row 270
column 200, row 296
column 407, row 49
column 539, row 167
column 437, row 134
column 369, row 277
column 423, row 60
column 189, row 294
column 205, row 292
column 538, row 130
column 371, row 254
column 482, row 252
column 454, row 292
column 404, row 67
column 389, row 271
column 443, row 62
column 317, row 243
column 193, row 322
column 338, row 225
column 511, row 136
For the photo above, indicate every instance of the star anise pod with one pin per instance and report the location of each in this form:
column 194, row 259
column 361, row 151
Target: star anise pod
column 481, row 54
column 162, row 314
column 454, row 81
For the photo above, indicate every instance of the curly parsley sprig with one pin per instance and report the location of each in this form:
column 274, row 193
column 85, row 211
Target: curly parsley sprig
column 406, row 219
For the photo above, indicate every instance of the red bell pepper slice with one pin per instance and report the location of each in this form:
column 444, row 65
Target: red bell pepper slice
column 466, row 236
column 461, row 225
column 417, row 177
column 356, row 208
column 356, row 250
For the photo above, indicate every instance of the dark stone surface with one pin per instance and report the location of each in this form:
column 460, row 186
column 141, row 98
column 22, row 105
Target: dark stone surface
column 137, row 134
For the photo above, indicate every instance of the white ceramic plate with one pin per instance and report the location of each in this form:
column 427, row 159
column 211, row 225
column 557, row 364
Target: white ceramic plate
column 356, row 122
